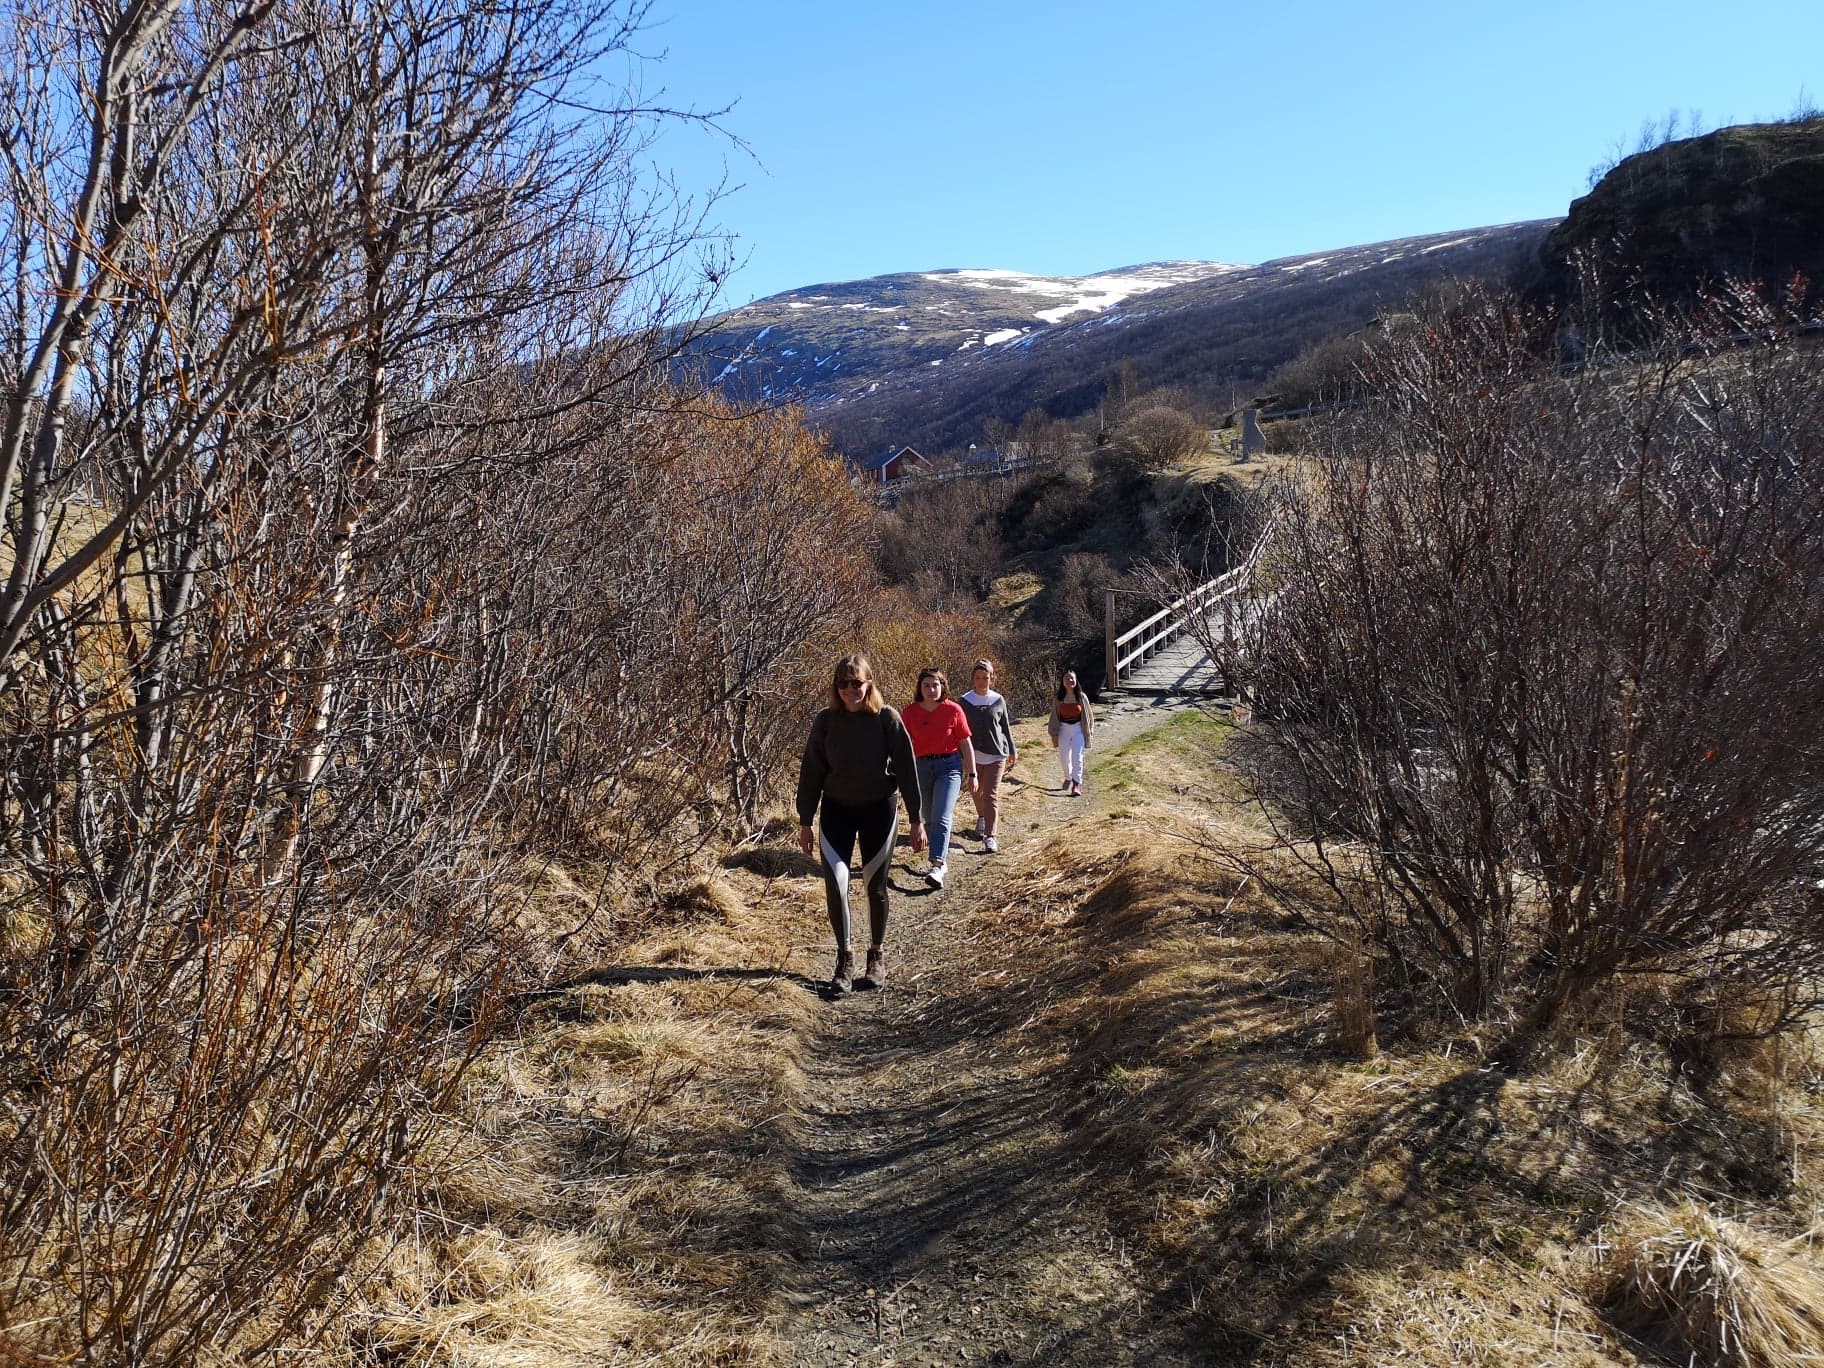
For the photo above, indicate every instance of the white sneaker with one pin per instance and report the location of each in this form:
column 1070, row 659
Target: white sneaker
column 990, row 845
column 936, row 875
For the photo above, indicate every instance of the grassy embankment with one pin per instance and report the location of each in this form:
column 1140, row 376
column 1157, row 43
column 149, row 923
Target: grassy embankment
column 623, row 1191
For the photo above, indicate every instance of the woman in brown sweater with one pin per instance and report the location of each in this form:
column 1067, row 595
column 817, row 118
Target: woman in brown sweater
column 858, row 755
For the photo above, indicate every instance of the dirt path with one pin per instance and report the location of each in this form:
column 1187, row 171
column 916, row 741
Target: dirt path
column 940, row 1212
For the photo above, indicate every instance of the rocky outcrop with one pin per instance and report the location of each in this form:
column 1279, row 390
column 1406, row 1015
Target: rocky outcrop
column 1745, row 202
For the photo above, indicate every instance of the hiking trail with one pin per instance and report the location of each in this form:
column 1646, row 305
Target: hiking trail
column 940, row 1212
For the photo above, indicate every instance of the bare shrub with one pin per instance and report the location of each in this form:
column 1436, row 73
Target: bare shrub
column 768, row 545
column 1057, row 506
column 1079, row 595
column 1352, row 1001
column 353, row 547
column 1284, row 437
column 1322, row 372
column 1544, row 663
column 902, row 635
column 949, row 531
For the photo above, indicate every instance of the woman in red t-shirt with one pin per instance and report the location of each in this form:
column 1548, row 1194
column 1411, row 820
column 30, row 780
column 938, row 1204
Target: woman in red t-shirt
column 944, row 759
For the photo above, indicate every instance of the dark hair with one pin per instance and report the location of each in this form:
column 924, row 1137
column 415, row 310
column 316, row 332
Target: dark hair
column 932, row 672
column 1064, row 690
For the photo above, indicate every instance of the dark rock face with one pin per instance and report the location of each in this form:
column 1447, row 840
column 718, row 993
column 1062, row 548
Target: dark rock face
column 1744, row 203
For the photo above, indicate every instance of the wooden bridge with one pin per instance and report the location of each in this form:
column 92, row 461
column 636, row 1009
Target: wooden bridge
column 1165, row 654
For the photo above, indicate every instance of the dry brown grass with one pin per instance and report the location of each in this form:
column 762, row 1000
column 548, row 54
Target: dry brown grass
column 1434, row 1204
column 1714, row 1291
column 481, row 1296
column 614, row 1152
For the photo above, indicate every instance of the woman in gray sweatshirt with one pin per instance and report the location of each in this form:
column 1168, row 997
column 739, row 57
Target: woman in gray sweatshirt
column 991, row 733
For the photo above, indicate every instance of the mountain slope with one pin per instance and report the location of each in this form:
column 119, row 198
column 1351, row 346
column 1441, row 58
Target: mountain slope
column 927, row 358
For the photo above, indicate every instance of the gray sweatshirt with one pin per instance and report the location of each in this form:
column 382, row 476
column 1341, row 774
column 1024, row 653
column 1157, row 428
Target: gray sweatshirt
column 990, row 730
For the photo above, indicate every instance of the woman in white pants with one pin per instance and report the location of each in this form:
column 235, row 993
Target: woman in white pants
column 1071, row 720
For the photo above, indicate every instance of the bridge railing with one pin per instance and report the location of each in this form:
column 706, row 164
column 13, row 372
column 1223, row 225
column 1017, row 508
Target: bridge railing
column 1132, row 648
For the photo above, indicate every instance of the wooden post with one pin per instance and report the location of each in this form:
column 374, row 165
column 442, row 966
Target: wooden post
column 1110, row 678
column 1228, row 638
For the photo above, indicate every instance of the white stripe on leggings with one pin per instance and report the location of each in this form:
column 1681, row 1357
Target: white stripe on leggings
column 882, row 855
column 839, row 868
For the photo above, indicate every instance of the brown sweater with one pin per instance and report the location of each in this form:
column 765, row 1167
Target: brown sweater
column 857, row 758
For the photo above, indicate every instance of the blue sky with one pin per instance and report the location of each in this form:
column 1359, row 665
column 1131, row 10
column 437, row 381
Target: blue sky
column 1066, row 138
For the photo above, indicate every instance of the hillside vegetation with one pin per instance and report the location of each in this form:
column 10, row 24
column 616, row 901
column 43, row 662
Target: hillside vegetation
column 1040, row 552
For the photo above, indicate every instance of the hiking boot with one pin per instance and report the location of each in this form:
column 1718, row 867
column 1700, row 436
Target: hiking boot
column 844, row 977
column 936, row 874
column 876, row 975
column 990, row 845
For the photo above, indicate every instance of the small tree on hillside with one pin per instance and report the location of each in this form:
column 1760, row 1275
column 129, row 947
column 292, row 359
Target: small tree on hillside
column 1119, row 391
column 1158, row 435
column 946, row 535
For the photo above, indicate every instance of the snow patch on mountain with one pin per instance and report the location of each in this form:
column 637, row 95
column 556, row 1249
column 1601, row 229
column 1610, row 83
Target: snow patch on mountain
column 1083, row 294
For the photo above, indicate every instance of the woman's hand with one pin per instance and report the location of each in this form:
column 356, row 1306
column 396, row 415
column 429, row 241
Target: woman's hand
column 918, row 837
column 806, row 841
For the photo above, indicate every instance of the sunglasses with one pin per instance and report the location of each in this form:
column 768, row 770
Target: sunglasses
column 853, row 683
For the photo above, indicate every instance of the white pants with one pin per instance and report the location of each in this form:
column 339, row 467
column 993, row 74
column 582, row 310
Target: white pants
column 1070, row 751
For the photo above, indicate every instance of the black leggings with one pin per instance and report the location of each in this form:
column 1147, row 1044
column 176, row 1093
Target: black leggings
column 876, row 824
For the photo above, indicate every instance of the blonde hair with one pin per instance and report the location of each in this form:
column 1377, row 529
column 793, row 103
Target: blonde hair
column 850, row 667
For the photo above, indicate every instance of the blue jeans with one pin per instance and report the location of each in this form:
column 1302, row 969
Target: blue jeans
column 940, row 780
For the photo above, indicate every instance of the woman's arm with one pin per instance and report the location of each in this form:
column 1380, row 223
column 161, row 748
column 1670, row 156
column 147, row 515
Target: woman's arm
column 905, row 765
column 965, row 744
column 813, row 769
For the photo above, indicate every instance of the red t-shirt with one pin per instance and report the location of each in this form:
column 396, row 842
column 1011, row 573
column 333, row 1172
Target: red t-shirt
column 938, row 732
